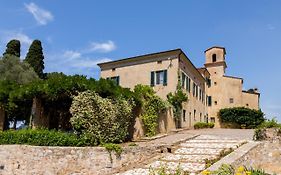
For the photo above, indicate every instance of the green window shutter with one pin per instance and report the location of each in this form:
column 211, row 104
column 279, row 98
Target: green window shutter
column 186, row 83
column 117, row 80
column 152, row 78
column 165, row 78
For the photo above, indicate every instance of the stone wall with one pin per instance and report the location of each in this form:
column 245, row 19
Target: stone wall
column 266, row 155
column 23, row 159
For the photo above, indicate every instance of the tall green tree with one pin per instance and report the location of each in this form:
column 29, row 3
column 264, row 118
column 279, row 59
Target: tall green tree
column 13, row 48
column 35, row 57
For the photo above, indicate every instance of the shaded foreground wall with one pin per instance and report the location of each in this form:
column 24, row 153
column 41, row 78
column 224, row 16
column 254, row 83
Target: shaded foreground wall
column 22, row 159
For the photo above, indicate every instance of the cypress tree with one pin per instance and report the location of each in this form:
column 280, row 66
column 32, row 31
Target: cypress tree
column 13, row 48
column 35, row 57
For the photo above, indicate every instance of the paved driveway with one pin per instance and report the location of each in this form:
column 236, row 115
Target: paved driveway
column 231, row 133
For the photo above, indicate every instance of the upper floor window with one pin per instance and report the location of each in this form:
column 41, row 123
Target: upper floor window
column 209, row 101
column 158, row 77
column 214, row 58
column 182, row 79
column 208, row 80
column 231, row 100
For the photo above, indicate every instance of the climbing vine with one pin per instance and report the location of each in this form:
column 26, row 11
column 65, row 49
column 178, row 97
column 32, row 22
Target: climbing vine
column 176, row 99
column 110, row 147
column 151, row 105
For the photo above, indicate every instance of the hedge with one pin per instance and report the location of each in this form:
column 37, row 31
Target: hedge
column 42, row 137
column 244, row 117
column 201, row 125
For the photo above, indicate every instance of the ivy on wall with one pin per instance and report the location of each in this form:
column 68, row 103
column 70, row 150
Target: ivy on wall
column 151, row 105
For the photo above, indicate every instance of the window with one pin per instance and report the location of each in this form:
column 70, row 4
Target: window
column 231, row 100
column 194, row 115
column 193, row 90
column 188, row 84
column 200, row 94
column 247, row 104
column 215, row 83
column 113, row 69
column 214, row 58
column 182, row 79
column 213, row 120
column 209, row 100
column 115, row 79
column 159, row 62
column 158, row 77
column 196, row 90
column 216, row 102
column 183, row 115
column 200, row 117
column 208, row 82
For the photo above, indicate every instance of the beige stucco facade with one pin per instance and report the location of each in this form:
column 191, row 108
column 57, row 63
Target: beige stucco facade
column 225, row 91
column 208, row 88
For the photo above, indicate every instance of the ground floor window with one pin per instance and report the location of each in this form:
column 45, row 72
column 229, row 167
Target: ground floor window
column 213, row 120
column 183, row 115
column 115, row 79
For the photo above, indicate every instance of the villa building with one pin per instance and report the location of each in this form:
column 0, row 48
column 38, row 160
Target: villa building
column 208, row 88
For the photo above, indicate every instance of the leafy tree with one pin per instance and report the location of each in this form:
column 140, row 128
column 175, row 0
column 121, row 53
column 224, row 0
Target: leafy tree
column 13, row 48
column 13, row 74
column 35, row 57
column 12, row 69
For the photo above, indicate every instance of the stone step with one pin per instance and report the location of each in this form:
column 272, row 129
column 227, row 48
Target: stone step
column 187, row 158
column 214, row 141
column 198, row 151
column 173, row 166
column 211, row 137
column 209, row 145
column 137, row 171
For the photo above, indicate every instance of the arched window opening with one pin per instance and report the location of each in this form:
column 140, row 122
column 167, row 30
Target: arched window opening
column 214, row 58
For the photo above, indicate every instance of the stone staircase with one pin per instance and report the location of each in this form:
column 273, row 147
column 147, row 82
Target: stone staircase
column 189, row 156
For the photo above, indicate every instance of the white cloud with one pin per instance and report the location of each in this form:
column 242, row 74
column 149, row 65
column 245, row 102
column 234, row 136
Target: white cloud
column 89, row 63
column 102, row 47
column 71, row 54
column 41, row 16
column 9, row 35
column 72, row 62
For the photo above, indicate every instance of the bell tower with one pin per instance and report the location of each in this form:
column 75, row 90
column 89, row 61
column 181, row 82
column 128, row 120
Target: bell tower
column 215, row 60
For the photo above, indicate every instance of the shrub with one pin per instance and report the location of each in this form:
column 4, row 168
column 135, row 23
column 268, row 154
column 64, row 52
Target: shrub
column 101, row 120
column 200, row 125
column 249, row 118
column 270, row 124
column 41, row 137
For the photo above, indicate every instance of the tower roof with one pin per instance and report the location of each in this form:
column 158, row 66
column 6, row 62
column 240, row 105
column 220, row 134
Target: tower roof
column 219, row 47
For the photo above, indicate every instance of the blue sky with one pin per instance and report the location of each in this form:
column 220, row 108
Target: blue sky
column 76, row 35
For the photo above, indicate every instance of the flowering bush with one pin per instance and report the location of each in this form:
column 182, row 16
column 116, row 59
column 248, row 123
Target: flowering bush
column 101, row 120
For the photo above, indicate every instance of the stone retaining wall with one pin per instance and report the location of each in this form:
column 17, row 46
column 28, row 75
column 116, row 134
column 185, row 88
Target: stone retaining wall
column 23, row 159
column 266, row 155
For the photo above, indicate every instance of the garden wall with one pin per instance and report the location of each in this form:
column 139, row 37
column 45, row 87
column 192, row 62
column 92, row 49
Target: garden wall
column 23, row 159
